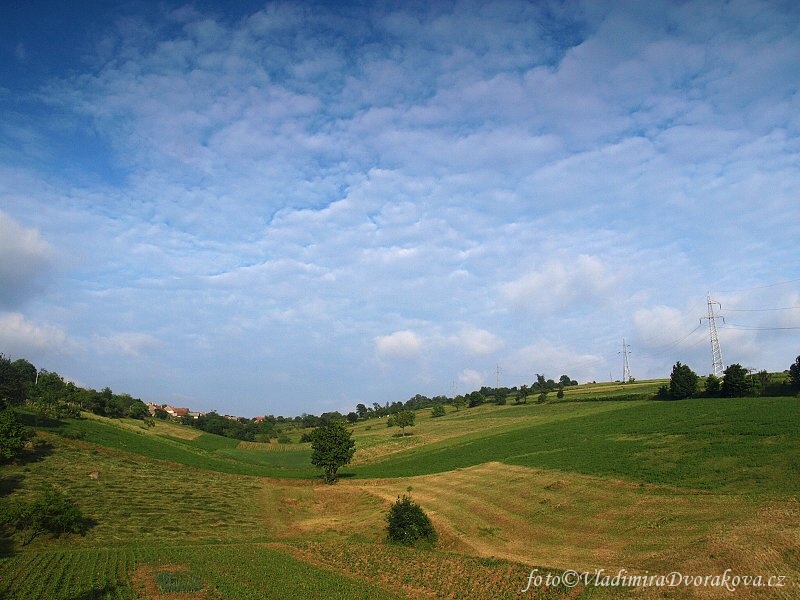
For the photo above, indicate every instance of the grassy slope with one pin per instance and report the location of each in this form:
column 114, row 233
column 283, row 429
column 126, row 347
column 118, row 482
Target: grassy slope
column 741, row 445
column 561, row 499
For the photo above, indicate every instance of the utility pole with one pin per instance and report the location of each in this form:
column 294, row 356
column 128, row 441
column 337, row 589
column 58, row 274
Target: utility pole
column 626, row 369
column 716, row 352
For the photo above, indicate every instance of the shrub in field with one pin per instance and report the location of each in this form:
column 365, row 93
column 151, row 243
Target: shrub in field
column 734, row 384
column 713, row 386
column 408, row 524
column 437, row 411
column 50, row 512
column 12, row 435
column 682, row 382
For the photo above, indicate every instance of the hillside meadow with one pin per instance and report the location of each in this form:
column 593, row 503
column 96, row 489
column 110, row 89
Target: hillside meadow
column 697, row 486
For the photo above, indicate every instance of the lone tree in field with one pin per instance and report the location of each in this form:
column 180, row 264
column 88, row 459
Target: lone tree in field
column 408, row 524
column 734, row 384
column 403, row 419
column 682, row 382
column 332, row 446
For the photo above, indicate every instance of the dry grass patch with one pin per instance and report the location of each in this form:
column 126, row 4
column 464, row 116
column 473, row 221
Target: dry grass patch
column 568, row 521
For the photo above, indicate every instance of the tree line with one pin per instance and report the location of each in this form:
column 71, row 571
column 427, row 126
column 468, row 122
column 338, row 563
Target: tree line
column 484, row 395
column 737, row 382
column 48, row 394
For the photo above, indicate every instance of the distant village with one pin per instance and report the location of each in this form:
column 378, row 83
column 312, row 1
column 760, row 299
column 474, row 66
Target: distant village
column 177, row 412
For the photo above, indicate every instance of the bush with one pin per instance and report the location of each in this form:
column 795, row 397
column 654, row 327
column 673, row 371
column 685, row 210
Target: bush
column 437, row 411
column 12, row 435
column 408, row 524
column 50, row 512
column 682, row 382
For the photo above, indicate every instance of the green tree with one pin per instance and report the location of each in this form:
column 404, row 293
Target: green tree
column 794, row 374
column 12, row 387
column 403, row 419
column 560, row 392
column 51, row 512
column 734, row 383
column 522, row 397
column 682, row 382
column 459, row 402
column 13, row 435
column 26, row 371
column 408, row 524
column 437, row 410
column 332, row 446
column 713, row 385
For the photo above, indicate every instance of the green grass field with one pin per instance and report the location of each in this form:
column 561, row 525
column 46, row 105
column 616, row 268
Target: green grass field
column 591, row 482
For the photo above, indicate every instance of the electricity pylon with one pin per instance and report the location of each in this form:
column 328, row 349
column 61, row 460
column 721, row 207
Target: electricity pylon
column 716, row 352
column 626, row 369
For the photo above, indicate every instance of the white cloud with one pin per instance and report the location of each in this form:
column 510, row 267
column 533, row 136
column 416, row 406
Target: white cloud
column 475, row 342
column 559, row 285
column 21, row 337
column 470, row 380
column 400, row 344
column 129, row 343
column 26, row 260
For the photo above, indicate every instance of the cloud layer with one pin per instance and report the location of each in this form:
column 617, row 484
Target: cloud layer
column 304, row 207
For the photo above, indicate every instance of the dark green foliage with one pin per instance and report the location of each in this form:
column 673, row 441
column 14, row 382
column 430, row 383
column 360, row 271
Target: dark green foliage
column 560, row 392
column 713, row 386
column 734, row 384
column 178, row 582
column 50, row 512
column 13, row 435
column 12, row 386
column 566, row 381
column 437, row 410
column 332, row 446
column 352, row 417
column 794, row 374
column 682, row 382
column 459, row 402
column 542, row 398
column 408, row 524
column 403, row 419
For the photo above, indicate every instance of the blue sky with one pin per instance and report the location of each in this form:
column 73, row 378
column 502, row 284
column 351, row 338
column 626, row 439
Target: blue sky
column 296, row 207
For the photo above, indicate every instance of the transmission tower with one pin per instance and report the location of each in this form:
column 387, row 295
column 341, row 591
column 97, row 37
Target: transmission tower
column 716, row 351
column 497, row 377
column 626, row 368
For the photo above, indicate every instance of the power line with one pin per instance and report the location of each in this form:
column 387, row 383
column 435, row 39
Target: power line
column 761, row 309
column 759, row 287
column 748, row 328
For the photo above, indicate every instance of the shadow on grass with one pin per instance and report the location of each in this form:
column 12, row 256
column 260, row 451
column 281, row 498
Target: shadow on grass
column 9, row 484
column 108, row 590
column 37, row 421
column 38, row 451
column 399, row 435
